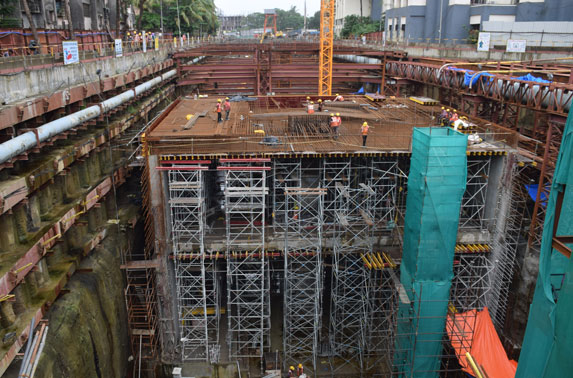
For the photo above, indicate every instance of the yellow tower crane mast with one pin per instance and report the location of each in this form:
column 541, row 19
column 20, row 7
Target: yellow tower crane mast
column 326, row 47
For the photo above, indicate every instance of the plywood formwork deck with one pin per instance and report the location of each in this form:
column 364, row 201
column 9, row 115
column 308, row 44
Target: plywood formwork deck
column 391, row 123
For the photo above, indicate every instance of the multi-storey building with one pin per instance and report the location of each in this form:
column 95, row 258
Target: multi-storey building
column 50, row 14
column 438, row 21
column 343, row 8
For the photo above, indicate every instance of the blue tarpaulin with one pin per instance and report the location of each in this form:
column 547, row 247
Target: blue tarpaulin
column 532, row 191
column 530, row 77
column 469, row 74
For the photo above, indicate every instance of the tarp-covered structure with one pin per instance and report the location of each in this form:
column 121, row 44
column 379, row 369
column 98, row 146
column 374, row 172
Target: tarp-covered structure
column 548, row 344
column 436, row 184
column 474, row 332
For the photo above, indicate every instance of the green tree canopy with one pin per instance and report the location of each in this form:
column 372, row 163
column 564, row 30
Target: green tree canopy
column 356, row 26
column 195, row 15
column 313, row 22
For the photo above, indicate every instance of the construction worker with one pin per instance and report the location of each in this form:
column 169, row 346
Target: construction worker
column 443, row 115
column 219, row 115
column 291, row 372
column 319, row 105
column 299, row 370
column 454, row 117
column 310, row 107
column 334, row 124
column 364, row 130
column 227, row 107
column 338, row 98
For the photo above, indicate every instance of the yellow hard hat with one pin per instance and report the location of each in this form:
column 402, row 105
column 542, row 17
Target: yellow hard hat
column 291, row 368
column 312, row 102
column 299, row 365
column 226, row 98
column 308, row 97
column 188, row 116
column 337, row 94
column 128, row 33
column 337, row 114
column 447, row 110
column 296, row 207
column 219, row 100
column 365, row 123
column 455, row 110
column 139, row 33
column 319, row 100
column 443, row 108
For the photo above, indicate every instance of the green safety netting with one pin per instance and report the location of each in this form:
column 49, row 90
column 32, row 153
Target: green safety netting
column 548, row 344
column 436, row 184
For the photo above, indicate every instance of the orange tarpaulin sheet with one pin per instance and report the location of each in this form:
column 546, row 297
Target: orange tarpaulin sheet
column 486, row 348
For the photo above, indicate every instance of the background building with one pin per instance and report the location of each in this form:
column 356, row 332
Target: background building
column 50, row 14
column 345, row 8
column 438, row 21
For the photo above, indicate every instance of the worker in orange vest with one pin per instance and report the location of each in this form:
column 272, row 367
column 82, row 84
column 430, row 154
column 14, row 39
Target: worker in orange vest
column 364, row 130
column 310, row 107
column 454, row 117
column 291, row 373
column 227, row 106
column 219, row 115
column 338, row 98
column 334, row 124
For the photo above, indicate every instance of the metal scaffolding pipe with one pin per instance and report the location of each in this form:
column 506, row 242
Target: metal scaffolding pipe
column 30, row 139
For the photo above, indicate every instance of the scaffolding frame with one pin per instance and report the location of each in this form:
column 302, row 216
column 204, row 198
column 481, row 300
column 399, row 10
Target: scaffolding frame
column 471, row 283
column 353, row 239
column 248, row 285
column 303, row 276
column 333, row 172
column 197, row 294
column 509, row 215
column 474, row 199
column 286, row 174
column 383, row 181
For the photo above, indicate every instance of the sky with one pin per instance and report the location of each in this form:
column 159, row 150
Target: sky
column 244, row 7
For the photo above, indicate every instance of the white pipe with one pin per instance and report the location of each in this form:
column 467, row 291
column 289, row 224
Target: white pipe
column 42, row 344
column 26, row 141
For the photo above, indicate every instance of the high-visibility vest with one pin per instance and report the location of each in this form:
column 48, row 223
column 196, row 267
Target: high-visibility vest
column 339, row 98
column 333, row 121
column 338, row 121
column 227, row 105
column 310, row 108
column 219, row 108
column 365, row 129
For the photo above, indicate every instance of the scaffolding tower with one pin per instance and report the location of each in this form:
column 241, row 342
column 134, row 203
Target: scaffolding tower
column 286, row 174
column 349, row 303
column 248, row 286
column 472, row 214
column 303, row 276
column 197, row 302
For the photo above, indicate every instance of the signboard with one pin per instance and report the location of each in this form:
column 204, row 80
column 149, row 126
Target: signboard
column 516, row 45
column 71, row 53
column 483, row 42
column 156, row 42
column 144, row 41
column 118, row 48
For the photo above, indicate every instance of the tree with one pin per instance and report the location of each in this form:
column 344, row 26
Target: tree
column 31, row 21
column 196, row 15
column 289, row 19
column 314, row 21
column 355, row 26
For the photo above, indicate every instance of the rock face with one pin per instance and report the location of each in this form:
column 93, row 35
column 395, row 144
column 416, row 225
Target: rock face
column 88, row 326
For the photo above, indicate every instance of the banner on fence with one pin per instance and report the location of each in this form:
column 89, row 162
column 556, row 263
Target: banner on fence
column 483, row 42
column 118, row 48
column 516, row 45
column 71, row 52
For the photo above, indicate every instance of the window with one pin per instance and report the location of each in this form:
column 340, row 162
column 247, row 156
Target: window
column 396, row 27
column 87, row 10
column 403, row 27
